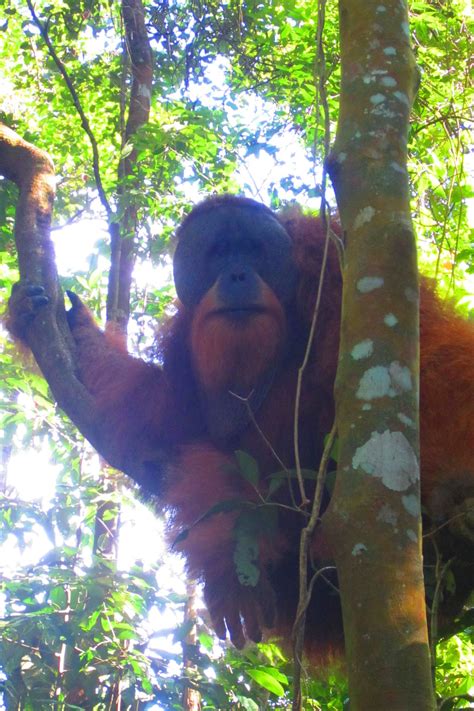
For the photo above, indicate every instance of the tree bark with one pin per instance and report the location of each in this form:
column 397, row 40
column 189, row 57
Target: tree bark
column 122, row 235
column 373, row 522
column 48, row 337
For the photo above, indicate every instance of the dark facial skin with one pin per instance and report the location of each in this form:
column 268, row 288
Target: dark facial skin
column 233, row 247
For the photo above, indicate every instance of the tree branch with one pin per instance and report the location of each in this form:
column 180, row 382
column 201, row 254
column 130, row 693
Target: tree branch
column 77, row 103
column 48, row 336
column 122, row 240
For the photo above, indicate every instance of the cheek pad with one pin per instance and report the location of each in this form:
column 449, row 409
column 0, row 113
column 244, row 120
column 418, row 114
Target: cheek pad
column 195, row 272
column 191, row 278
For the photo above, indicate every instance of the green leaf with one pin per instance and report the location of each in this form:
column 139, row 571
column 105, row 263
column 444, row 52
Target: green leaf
column 334, row 454
column 58, row 597
column 127, row 634
column 266, row 678
column 221, row 507
column 246, row 559
column 247, row 703
column 248, row 467
column 206, row 640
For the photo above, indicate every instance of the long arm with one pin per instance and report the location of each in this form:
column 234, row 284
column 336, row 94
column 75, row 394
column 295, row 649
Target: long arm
column 136, row 413
column 119, row 404
column 129, row 398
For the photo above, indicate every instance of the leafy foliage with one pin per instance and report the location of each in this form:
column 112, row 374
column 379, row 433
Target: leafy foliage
column 77, row 629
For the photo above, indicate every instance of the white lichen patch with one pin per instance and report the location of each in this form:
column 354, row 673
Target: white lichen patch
column 375, row 383
column 376, row 99
column 388, row 456
column 364, row 349
column 381, row 381
column 144, row 91
column 388, row 515
column 390, row 51
column 358, row 549
column 405, row 419
column 402, row 218
column 368, row 284
column 398, row 168
column 401, row 378
column 373, row 76
column 341, row 157
column 411, row 295
column 365, row 215
column 411, row 504
column 380, row 8
column 367, row 406
column 390, row 320
column 388, row 81
column 401, row 96
column 405, row 29
column 383, row 110
column 412, row 535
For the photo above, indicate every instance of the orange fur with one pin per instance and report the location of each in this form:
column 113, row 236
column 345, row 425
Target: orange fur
column 446, row 400
column 224, row 349
column 145, row 408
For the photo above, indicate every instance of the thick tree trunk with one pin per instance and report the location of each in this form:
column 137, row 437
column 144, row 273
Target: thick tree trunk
column 374, row 519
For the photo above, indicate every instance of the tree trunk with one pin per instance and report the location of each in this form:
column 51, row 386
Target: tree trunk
column 123, row 234
column 373, row 522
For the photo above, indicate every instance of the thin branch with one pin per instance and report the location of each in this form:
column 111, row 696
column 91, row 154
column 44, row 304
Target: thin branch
column 448, row 522
column 261, row 433
column 321, row 98
column 77, row 103
column 448, row 701
column 246, row 402
column 301, row 370
column 440, row 578
column 305, row 590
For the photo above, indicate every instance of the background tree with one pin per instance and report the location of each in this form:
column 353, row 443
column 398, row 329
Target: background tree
column 197, row 141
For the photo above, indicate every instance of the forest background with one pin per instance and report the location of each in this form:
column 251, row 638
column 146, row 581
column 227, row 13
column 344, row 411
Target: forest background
column 234, row 108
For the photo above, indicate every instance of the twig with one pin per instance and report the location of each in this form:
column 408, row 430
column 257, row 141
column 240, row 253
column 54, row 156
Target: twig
column 321, row 97
column 246, row 401
column 305, row 589
column 461, row 514
column 307, row 532
column 262, row 434
column 77, row 103
column 440, row 576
